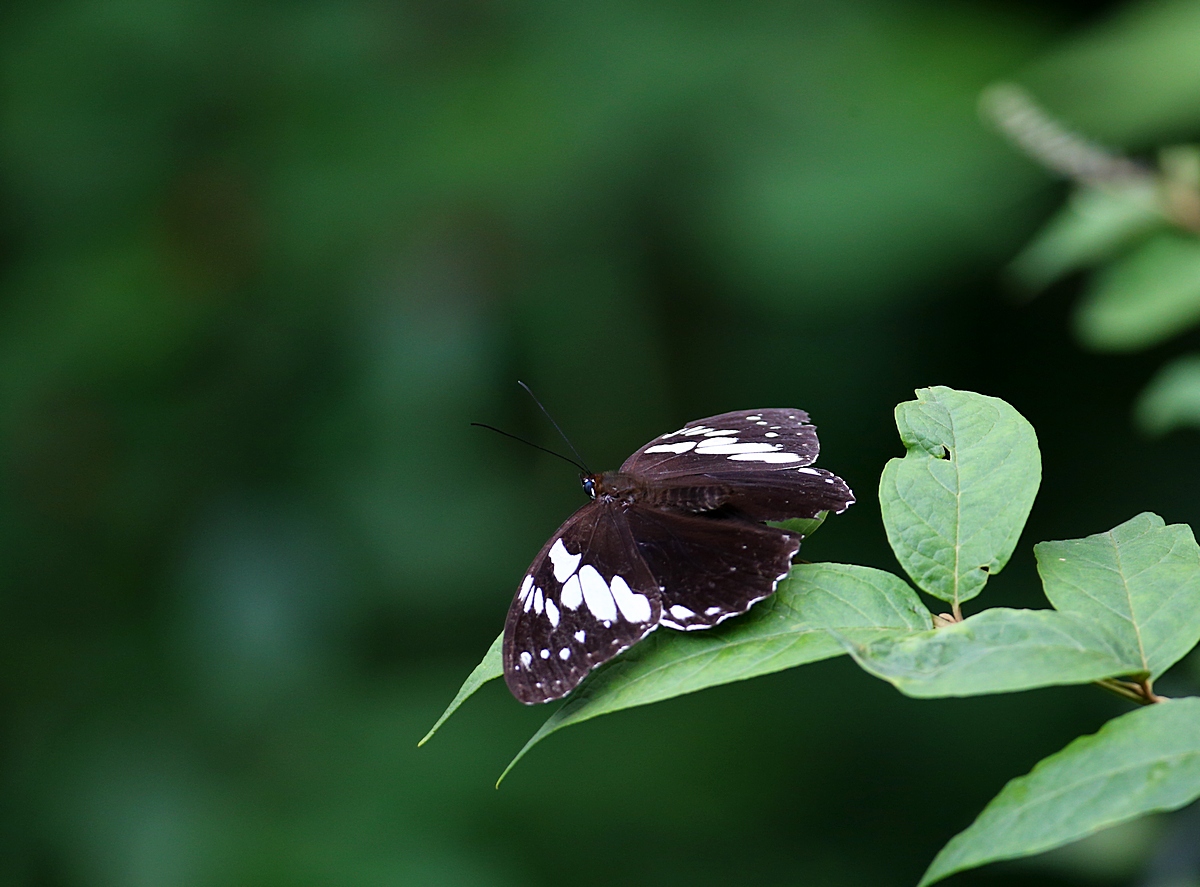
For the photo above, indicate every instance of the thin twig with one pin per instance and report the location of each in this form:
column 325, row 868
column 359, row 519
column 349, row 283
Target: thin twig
column 1053, row 144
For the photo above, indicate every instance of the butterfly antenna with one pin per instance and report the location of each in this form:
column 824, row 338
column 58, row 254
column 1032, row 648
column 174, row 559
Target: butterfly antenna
column 545, row 411
column 582, row 468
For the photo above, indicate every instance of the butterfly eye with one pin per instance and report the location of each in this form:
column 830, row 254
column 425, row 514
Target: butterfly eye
column 589, row 487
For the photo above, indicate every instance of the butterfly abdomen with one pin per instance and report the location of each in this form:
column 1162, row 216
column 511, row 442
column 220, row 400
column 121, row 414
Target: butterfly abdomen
column 691, row 499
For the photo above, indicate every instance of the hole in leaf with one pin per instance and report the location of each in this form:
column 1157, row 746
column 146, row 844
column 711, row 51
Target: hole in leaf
column 986, row 568
column 945, row 453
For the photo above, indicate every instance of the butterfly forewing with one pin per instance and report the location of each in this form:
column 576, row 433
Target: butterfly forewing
column 756, row 440
column 587, row 596
column 757, row 462
column 710, row 569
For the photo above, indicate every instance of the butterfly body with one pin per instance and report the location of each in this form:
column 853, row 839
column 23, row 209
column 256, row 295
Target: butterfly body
column 673, row 538
column 630, row 489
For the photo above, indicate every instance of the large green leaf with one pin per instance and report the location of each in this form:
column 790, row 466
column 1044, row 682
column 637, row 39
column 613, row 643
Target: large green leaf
column 996, row 651
column 1139, row 582
column 788, row 629
column 1144, row 297
column 1144, row 761
column 488, row 669
column 1172, row 398
column 955, row 504
column 1095, row 223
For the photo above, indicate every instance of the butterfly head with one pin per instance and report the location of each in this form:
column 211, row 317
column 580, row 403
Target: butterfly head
column 610, row 486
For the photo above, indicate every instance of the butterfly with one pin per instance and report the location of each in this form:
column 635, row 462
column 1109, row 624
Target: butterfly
column 675, row 538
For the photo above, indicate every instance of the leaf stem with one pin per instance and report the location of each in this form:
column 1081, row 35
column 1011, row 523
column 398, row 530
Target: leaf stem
column 1147, row 690
column 957, row 611
column 1114, row 686
column 1141, row 691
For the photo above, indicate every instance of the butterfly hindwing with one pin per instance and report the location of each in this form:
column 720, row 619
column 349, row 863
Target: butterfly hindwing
column 801, row 492
column 756, row 462
column 587, row 596
column 709, row 568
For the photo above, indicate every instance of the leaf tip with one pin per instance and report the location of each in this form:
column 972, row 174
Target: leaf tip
column 507, row 769
column 936, row 873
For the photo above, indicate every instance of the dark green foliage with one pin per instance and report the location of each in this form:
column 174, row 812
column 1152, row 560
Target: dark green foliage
column 261, row 263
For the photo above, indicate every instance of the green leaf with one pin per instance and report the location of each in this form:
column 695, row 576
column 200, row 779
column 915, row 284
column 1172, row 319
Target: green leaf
column 1172, row 398
column 1095, row 224
column 1139, row 583
column 805, row 526
column 955, row 504
column 1142, row 762
column 786, row 630
column 1144, row 297
column 488, row 669
column 996, row 651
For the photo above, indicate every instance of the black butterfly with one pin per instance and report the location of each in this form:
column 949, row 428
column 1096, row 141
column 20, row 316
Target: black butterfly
column 674, row 538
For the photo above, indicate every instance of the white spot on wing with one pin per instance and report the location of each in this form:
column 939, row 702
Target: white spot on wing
column 709, row 443
column 687, row 431
column 537, row 600
column 725, row 447
column 564, row 562
column 526, row 658
column 564, row 654
column 682, row 447
column 596, row 594
column 681, row 612
column 525, row 588
column 712, row 611
column 581, row 635
column 720, row 432
column 545, row 654
column 552, row 613
column 808, row 471
column 764, row 457
column 770, row 434
column 634, row 607
column 572, row 594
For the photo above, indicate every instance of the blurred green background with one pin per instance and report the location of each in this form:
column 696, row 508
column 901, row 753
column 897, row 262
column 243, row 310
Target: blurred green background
column 261, row 263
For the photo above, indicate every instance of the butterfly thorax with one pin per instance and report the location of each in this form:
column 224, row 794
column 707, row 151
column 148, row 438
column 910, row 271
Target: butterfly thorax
column 613, row 486
column 628, row 489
